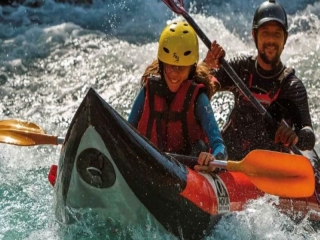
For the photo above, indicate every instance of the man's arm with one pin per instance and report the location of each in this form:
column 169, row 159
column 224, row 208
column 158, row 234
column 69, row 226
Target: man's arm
column 293, row 96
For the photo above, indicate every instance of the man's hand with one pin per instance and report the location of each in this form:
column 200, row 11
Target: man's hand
column 285, row 135
column 213, row 55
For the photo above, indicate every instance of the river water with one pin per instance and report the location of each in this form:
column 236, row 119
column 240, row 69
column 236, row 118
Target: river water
column 52, row 54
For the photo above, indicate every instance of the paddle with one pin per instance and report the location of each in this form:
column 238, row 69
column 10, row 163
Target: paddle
column 280, row 174
column 276, row 173
column 177, row 6
column 24, row 133
column 20, row 125
column 271, row 172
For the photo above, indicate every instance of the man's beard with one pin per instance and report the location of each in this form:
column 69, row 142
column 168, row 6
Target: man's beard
column 274, row 60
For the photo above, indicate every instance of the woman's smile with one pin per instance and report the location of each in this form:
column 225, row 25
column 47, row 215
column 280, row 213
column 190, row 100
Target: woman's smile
column 175, row 75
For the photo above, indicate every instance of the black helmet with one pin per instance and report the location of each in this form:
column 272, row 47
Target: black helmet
column 270, row 11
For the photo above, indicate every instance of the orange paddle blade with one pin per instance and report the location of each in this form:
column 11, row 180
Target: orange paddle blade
column 281, row 174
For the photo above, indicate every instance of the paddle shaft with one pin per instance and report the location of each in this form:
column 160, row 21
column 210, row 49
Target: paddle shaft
column 54, row 140
column 60, row 140
column 30, row 138
column 232, row 74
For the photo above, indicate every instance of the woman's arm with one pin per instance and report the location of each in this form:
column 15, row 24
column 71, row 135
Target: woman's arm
column 137, row 108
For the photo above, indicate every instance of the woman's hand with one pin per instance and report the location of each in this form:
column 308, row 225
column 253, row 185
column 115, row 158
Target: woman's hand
column 204, row 160
column 213, row 55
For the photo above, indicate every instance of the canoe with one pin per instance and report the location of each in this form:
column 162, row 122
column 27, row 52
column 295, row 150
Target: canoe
column 107, row 166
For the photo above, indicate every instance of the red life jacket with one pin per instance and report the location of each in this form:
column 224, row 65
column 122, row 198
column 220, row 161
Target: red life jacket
column 172, row 128
column 269, row 96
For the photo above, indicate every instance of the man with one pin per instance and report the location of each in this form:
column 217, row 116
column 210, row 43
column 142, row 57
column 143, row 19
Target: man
column 272, row 83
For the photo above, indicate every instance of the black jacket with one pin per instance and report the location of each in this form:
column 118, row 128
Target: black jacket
column 246, row 129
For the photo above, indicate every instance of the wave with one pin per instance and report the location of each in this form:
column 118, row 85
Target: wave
column 136, row 21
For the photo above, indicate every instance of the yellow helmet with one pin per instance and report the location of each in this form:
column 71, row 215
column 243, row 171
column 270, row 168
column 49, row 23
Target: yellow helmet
column 178, row 45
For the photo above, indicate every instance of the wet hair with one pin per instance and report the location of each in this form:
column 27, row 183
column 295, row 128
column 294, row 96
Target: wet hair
column 199, row 73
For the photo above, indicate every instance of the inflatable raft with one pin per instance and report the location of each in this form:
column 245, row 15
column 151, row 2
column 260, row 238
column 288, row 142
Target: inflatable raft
column 107, row 166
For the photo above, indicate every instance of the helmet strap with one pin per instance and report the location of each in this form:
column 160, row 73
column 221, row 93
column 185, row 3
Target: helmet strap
column 192, row 71
column 255, row 37
column 285, row 38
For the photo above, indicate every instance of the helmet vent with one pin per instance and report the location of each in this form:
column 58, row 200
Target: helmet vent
column 166, row 50
column 187, row 53
column 172, row 30
column 185, row 31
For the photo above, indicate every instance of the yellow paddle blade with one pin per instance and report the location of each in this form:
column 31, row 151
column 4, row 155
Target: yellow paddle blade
column 25, row 138
column 12, row 124
column 15, row 139
column 23, row 133
column 281, row 174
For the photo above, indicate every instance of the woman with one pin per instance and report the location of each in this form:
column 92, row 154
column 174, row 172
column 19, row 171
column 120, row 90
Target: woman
column 173, row 109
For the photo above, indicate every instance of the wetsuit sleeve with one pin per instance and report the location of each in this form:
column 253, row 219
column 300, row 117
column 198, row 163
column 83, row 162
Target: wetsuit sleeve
column 204, row 113
column 137, row 108
column 293, row 97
